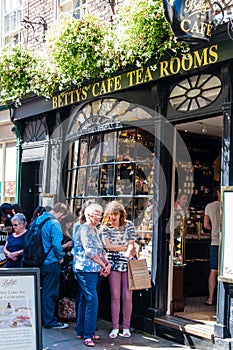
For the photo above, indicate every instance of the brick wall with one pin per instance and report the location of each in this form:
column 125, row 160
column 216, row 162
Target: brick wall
column 34, row 9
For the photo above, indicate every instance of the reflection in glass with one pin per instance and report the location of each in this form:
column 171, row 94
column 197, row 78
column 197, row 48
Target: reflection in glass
column 92, row 181
column 83, row 151
column 126, row 145
column 107, row 180
column 81, row 182
column 109, row 147
column 94, row 150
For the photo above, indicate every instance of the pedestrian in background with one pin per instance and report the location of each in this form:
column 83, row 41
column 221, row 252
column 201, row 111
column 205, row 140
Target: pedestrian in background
column 13, row 248
column 212, row 223
column 89, row 261
column 118, row 237
column 51, row 233
column 37, row 212
column 68, row 282
column 6, row 216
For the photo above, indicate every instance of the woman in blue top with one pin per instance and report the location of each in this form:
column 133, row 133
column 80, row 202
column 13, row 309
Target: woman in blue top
column 13, row 248
column 89, row 262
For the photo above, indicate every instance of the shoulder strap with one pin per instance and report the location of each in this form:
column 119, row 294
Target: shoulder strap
column 43, row 222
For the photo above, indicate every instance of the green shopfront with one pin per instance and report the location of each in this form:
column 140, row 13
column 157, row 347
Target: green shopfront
column 143, row 137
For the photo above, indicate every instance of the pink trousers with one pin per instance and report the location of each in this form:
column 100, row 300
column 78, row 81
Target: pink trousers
column 119, row 288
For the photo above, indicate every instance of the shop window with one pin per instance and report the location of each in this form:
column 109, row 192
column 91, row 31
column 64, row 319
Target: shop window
column 110, row 161
column 10, row 173
column 75, row 7
column 195, row 92
column 12, row 17
column 35, row 130
column 105, row 114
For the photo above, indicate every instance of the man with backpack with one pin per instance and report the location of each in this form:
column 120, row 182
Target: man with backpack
column 50, row 270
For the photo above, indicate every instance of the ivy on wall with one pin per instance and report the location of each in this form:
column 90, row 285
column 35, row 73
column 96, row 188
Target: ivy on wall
column 79, row 50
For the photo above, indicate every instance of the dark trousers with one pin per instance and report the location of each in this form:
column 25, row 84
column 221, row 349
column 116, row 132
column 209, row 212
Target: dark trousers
column 50, row 283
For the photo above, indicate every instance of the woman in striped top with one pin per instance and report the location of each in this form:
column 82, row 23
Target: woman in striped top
column 118, row 235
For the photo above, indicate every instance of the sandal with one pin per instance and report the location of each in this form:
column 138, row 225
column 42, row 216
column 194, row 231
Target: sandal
column 88, row 342
column 79, row 336
column 96, row 337
column 126, row 333
column 114, row 333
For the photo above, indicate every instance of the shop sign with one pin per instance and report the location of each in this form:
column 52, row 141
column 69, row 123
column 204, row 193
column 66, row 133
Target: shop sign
column 226, row 256
column 20, row 320
column 165, row 68
column 190, row 20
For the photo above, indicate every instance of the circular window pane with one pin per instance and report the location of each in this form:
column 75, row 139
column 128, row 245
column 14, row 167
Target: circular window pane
column 195, row 92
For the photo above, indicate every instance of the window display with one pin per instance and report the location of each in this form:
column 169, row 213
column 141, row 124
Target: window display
column 116, row 165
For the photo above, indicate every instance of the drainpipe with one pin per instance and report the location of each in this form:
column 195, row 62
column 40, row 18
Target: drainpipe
column 18, row 162
column 16, row 131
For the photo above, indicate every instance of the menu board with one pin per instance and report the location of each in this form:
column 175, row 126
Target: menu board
column 226, row 271
column 20, row 326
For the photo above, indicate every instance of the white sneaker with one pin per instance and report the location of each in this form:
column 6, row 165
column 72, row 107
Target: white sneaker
column 60, row 325
column 126, row 333
column 114, row 333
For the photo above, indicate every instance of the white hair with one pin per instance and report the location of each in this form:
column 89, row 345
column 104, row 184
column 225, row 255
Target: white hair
column 92, row 208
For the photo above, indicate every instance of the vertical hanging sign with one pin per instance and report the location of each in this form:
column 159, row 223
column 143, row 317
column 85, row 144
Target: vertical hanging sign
column 190, row 20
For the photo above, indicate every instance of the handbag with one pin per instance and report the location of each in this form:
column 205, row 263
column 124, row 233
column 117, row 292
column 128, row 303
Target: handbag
column 67, row 309
column 138, row 275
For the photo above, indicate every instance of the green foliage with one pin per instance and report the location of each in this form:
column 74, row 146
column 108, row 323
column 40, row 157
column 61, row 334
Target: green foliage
column 79, row 50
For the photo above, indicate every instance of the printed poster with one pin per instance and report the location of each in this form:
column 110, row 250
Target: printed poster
column 17, row 312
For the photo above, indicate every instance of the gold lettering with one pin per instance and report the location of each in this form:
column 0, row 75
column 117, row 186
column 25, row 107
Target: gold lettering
column 94, row 89
column 84, row 92
column 172, row 64
column 59, row 101
column 139, row 78
column 130, row 75
column 117, row 85
column 195, row 28
column 200, row 61
column 110, row 84
column 103, row 88
column 209, row 29
column 114, row 84
column 148, row 75
column 54, row 102
column 66, row 98
column 71, row 96
column 185, row 26
column 77, row 93
column 213, row 53
column 189, row 61
column 164, row 69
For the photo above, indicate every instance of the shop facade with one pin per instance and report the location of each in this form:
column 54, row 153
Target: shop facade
column 142, row 137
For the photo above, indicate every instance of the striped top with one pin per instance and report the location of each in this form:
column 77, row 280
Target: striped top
column 119, row 236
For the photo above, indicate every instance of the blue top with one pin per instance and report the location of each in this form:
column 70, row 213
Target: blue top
column 51, row 235
column 14, row 244
column 87, row 244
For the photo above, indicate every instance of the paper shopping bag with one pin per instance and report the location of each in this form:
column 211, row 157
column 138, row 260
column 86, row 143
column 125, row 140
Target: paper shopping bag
column 138, row 275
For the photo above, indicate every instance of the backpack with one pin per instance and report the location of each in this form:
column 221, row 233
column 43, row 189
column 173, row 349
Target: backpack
column 33, row 250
